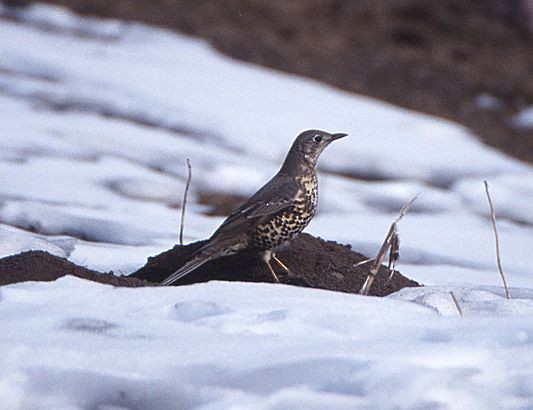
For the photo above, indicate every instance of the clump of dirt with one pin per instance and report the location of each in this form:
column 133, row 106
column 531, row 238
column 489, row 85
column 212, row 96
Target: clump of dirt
column 313, row 262
column 466, row 60
column 44, row 267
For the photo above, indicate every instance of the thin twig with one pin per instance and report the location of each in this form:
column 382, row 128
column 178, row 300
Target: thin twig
column 387, row 243
column 187, row 184
column 363, row 262
column 456, row 302
column 392, row 271
column 497, row 239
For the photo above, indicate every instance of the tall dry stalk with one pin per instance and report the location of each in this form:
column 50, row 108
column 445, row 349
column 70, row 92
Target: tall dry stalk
column 185, row 194
column 497, row 239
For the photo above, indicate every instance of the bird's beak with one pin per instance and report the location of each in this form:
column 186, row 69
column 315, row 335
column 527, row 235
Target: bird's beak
column 337, row 136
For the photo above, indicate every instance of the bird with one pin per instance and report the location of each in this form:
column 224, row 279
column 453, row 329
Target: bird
column 275, row 214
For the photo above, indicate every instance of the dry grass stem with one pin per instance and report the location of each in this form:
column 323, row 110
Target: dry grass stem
column 390, row 243
column 394, row 254
column 497, row 239
column 456, row 302
column 363, row 262
column 185, row 194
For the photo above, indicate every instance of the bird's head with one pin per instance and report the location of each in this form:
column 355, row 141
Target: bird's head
column 309, row 145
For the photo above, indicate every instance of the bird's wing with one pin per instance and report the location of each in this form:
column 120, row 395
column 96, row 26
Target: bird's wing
column 270, row 199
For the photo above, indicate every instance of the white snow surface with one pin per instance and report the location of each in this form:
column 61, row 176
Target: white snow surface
column 98, row 118
column 524, row 119
column 213, row 346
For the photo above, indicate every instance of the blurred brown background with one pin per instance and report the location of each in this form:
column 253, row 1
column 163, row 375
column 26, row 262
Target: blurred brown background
column 466, row 60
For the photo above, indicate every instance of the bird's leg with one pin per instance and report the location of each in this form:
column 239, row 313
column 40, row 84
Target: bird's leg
column 273, row 273
column 267, row 256
column 280, row 263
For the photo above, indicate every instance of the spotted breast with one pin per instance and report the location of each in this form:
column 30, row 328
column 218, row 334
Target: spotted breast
column 288, row 223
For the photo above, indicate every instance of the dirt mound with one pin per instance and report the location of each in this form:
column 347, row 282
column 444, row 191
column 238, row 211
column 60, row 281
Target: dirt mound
column 45, row 267
column 469, row 61
column 313, row 262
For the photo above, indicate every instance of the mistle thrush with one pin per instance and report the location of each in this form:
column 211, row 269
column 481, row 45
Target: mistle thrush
column 275, row 214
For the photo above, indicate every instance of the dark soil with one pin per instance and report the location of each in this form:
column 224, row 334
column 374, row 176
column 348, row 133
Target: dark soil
column 442, row 57
column 44, row 267
column 313, row 262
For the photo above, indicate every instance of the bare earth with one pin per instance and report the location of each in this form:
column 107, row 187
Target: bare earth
column 314, row 263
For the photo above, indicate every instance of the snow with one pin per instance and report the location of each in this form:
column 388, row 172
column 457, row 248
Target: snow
column 13, row 241
column 98, row 119
column 473, row 302
column 524, row 119
column 488, row 102
column 512, row 197
column 213, row 346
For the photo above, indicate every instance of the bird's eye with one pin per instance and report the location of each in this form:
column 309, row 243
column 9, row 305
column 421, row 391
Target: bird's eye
column 317, row 138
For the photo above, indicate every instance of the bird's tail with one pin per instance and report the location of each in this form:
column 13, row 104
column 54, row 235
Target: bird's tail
column 190, row 266
column 213, row 249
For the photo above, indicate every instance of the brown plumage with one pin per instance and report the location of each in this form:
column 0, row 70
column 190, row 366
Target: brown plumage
column 275, row 214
